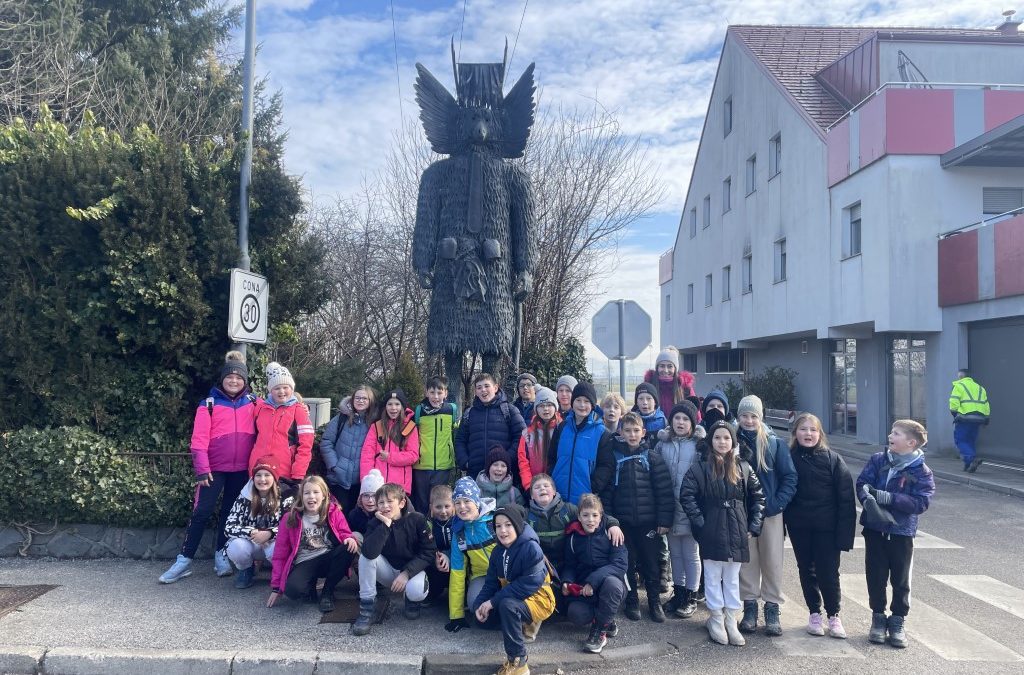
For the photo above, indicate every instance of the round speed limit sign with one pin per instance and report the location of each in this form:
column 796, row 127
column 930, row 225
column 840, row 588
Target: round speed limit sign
column 247, row 313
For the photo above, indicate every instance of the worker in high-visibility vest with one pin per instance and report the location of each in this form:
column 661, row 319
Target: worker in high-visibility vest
column 968, row 403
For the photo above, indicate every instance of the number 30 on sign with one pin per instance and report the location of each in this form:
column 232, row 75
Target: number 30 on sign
column 247, row 314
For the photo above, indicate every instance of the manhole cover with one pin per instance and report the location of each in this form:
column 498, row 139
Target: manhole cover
column 12, row 597
column 345, row 611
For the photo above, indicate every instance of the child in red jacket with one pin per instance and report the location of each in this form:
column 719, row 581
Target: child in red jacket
column 283, row 430
column 313, row 542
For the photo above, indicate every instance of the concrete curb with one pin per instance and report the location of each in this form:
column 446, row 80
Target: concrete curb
column 33, row 660
column 542, row 663
column 952, row 476
column 81, row 661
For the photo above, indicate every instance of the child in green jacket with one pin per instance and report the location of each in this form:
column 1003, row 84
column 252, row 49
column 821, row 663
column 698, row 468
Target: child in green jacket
column 436, row 420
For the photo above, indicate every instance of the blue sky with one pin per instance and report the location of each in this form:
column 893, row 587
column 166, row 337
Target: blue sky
column 652, row 62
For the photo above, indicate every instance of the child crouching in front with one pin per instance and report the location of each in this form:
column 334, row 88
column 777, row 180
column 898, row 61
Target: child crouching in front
column 517, row 594
column 594, row 573
column 442, row 518
column 397, row 550
column 313, row 542
column 472, row 543
column 899, row 482
column 251, row 527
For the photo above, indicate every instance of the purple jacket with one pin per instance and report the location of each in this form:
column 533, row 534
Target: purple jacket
column 912, row 489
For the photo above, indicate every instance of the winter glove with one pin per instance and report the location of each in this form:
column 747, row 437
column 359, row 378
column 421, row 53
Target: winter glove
column 455, row 625
column 881, row 496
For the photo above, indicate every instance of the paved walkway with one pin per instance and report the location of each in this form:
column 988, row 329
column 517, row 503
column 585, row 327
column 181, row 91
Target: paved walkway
column 992, row 476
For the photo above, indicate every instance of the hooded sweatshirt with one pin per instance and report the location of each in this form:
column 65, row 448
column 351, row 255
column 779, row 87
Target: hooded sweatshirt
column 472, row 543
column 519, row 572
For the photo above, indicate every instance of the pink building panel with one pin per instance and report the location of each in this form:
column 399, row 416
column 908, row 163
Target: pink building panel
column 919, row 121
column 958, row 269
column 872, row 130
column 838, row 144
column 1002, row 106
column 1009, row 253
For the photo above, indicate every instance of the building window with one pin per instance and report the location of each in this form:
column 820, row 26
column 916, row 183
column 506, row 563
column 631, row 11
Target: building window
column 708, row 292
column 693, row 222
column 724, row 361
column 775, row 155
column 707, row 212
column 908, row 381
column 689, row 299
column 727, row 195
column 726, row 282
column 851, row 230
column 751, row 174
column 747, row 274
column 690, row 362
column 999, row 200
column 666, row 310
column 780, row 260
column 727, row 116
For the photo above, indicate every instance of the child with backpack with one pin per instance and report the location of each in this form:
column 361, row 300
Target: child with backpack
column 283, row 429
column 436, row 422
column 516, row 595
column 341, row 445
column 442, row 518
column 222, row 441
column 313, row 542
column 535, row 441
column 640, row 495
column 396, row 552
column 821, row 519
column 251, row 527
column 722, row 498
column 677, row 445
column 901, row 484
column 393, row 444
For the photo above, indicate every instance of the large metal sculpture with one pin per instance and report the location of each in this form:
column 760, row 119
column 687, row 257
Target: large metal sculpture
column 473, row 243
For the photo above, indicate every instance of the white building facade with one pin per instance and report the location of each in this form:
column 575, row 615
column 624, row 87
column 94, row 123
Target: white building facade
column 810, row 239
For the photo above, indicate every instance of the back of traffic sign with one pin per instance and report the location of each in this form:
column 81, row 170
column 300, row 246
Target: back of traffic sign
column 635, row 326
column 249, row 305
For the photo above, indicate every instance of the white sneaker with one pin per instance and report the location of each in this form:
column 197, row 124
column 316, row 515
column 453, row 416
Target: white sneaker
column 181, row 568
column 835, row 627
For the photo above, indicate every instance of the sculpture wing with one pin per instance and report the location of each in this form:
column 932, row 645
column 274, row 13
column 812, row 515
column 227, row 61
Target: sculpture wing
column 437, row 111
column 519, row 108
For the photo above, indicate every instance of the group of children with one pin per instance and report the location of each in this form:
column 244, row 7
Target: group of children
column 567, row 506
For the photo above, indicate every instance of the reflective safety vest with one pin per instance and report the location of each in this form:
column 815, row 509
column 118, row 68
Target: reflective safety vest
column 968, row 397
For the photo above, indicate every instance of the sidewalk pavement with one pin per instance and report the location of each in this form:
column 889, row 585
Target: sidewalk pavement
column 989, row 476
column 112, row 616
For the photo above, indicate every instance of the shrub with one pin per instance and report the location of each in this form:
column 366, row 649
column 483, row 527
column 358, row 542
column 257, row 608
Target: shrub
column 733, row 391
column 73, row 475
column 775, row 385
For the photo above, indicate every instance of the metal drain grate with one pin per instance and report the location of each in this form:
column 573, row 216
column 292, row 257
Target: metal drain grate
column 13, row 597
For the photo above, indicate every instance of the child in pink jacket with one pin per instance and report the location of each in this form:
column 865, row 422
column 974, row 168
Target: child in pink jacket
column 283, row 430
column 222, row 440
column 392, row 445
column 313, row 542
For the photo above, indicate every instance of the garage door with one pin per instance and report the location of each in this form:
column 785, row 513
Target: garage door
column 997, row 365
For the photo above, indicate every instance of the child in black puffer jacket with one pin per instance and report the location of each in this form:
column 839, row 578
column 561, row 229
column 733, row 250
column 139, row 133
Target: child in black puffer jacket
column 723, row 499
column 593, row 576
column 641, row 497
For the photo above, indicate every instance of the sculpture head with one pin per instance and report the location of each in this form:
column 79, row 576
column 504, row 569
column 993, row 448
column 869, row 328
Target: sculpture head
column 481, row 116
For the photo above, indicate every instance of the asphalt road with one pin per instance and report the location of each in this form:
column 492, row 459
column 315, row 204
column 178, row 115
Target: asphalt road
column 969, row 620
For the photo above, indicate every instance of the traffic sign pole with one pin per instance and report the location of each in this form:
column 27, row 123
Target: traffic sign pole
column 622, row 349
column 247, row 130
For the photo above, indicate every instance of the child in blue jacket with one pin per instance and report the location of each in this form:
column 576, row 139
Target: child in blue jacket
column 594, row 574
column 898, row 481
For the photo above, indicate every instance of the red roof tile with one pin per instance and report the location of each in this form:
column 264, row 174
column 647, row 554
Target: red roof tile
column 793, row 54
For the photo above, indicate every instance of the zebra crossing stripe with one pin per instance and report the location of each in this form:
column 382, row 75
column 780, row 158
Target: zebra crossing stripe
column 795, row 641
column 922, row 541
column 986, row 589
column 951, row 639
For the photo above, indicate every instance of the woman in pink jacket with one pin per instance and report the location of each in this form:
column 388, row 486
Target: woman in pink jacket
column 222, row 440
column 393, row 444
column 314, row 542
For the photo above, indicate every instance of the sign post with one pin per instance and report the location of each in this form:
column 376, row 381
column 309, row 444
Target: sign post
column 248, row 307
column 621, row 330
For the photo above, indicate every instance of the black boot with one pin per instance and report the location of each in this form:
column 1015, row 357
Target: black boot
column 749, row 622
column 412, row 609
column 327, row 601
column 631, row 607
column 361, row 626
column 676, row 601
column 654, row 603
column 689, row 604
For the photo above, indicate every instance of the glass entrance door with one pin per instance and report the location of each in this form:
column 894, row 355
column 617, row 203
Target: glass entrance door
column 844, row 387
column 907, row 381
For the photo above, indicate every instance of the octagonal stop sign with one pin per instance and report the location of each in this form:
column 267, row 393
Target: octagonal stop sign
column 631, row 319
